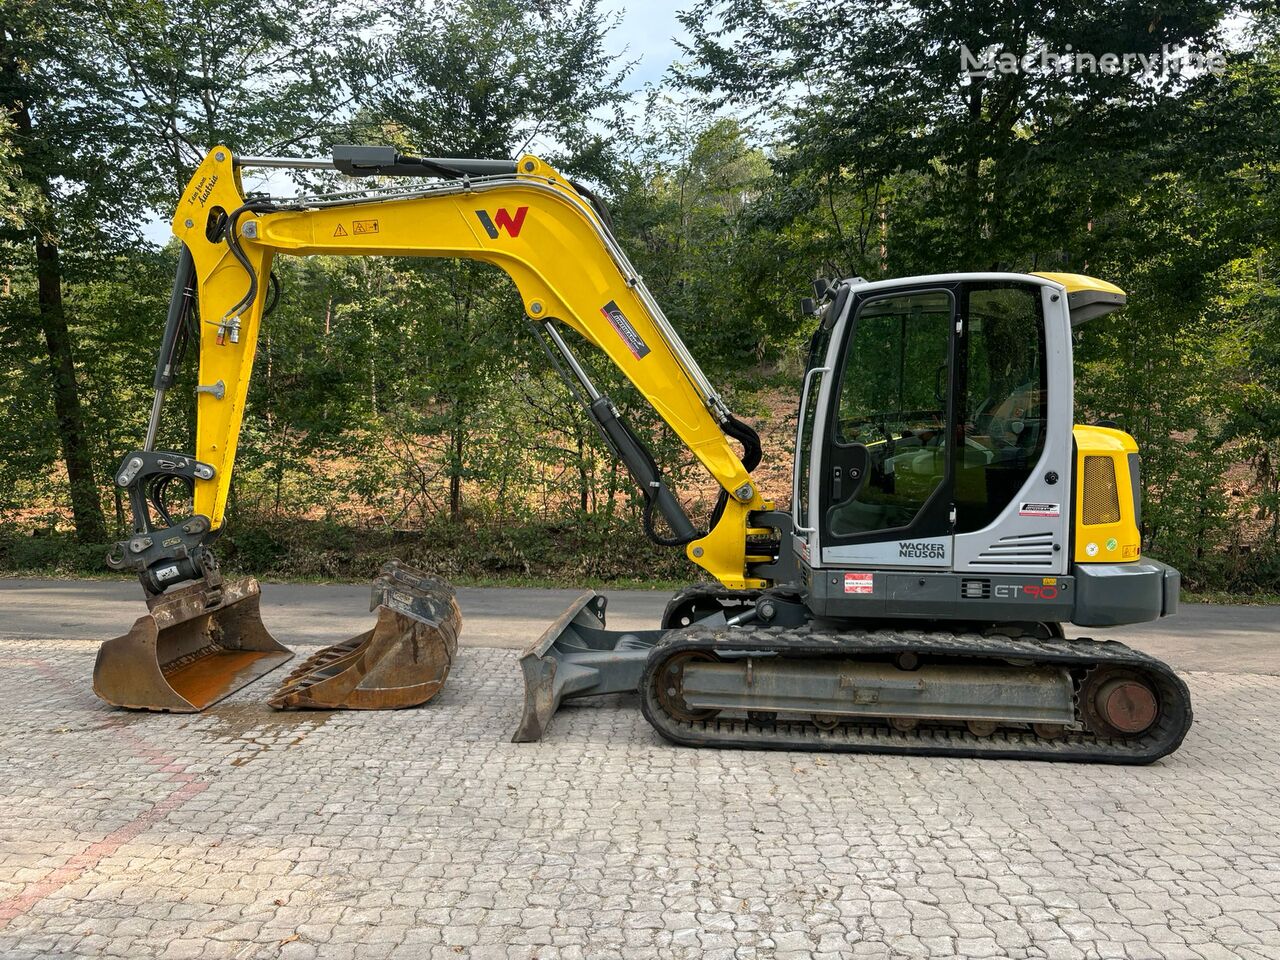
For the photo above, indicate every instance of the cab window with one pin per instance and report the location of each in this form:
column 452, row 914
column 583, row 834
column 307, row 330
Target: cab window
column 893, row 402
column 1004, row 396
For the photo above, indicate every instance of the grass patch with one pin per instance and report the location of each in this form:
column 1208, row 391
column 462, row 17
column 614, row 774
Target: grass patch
column 1230, row 597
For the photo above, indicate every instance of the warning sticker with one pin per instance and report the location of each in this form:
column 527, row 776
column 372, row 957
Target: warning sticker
column 1039, row 509
column 359, row 227
column 339, row 231
column 859, row 582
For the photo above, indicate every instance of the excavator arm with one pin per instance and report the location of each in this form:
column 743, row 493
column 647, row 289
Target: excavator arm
column 522, row 216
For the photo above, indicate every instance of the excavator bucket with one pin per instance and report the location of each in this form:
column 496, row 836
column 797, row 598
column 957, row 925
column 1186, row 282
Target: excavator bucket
column 190, row 650
column 402, row 662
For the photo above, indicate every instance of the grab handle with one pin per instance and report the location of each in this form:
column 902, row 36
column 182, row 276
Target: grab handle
column 797, row 526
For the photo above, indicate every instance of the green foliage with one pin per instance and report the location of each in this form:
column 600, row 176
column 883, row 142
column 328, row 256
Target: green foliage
column 19, row 199
column 403, row 407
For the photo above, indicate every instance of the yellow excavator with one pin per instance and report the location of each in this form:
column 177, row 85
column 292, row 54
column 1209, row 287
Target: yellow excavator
column 947, row 516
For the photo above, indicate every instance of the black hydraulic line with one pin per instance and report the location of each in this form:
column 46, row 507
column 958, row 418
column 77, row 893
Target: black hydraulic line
column 274, row 300
column 233, row 244
column 752, row 454
column 745, row 434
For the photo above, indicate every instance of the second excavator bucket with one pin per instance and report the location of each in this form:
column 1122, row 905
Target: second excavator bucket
column 402, row 662
column 193, row 648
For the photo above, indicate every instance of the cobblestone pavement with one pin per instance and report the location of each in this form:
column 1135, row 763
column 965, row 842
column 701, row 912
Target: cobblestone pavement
column 246, row 834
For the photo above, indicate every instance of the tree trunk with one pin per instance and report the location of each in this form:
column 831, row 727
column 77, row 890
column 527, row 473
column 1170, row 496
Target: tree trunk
column 584, row 480
column 455, row 473
column 86, row 508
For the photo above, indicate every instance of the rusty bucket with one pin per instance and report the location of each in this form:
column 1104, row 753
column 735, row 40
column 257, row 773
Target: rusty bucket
column 402, row 662
column 193, row 648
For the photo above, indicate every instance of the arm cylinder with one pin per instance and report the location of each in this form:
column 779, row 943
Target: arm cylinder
column 179, row 304
column 642, row 468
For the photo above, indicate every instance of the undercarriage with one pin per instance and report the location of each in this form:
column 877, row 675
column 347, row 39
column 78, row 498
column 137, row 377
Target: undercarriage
column 727, row 680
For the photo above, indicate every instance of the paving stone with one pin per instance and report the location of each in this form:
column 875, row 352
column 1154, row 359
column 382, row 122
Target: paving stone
column 247, row 834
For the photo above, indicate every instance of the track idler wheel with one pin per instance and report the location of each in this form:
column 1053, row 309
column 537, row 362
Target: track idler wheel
column 1118, row 703
column 669, row 687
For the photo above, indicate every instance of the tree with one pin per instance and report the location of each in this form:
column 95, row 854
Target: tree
column 689, row 204
column 112, row 103
column 979, row 171
column 38, row 74
column 481, row 78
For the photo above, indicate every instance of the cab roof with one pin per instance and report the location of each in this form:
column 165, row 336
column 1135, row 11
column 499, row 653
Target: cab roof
column 1087, row 297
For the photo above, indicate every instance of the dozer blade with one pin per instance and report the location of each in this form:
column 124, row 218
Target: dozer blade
column 186, row 653
column 402, row 662
column 578, row 657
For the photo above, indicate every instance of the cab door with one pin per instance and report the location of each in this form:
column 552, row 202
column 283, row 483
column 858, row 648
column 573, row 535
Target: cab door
column 885, row 491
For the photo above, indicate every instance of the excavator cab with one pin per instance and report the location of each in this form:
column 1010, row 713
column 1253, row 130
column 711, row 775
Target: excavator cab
column 940, row 474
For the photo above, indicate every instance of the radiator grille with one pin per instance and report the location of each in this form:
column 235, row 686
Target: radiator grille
column 1101, row 501
column 1021, row 550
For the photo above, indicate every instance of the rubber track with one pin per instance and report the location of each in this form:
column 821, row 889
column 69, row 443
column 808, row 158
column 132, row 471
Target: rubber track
column 858, row 735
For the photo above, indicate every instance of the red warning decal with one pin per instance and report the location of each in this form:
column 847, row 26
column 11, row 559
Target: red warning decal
column 859, row 583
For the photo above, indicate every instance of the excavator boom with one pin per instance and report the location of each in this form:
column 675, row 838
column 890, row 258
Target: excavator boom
column 519, row 215
column 529, row 222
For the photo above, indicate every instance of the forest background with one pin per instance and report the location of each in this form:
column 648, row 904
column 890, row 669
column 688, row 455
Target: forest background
column 401, row 407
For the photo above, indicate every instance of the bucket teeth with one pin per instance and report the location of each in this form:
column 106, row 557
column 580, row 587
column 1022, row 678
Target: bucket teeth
column 402, row 662
column 189, row 651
